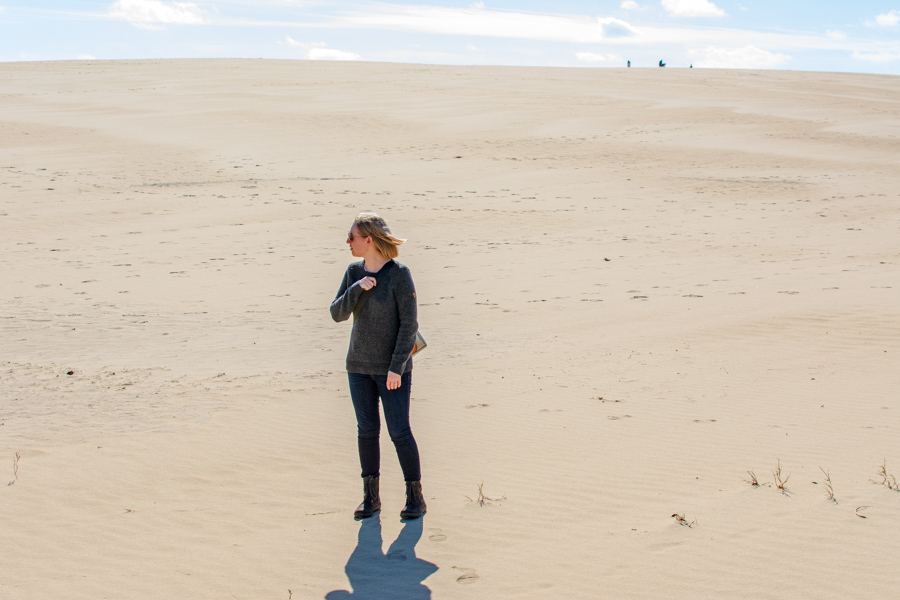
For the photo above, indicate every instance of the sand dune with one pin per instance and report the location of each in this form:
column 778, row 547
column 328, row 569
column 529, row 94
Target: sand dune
column 638, row 287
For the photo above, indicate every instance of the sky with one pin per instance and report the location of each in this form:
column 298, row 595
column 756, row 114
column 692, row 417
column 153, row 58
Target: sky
column 823, row 35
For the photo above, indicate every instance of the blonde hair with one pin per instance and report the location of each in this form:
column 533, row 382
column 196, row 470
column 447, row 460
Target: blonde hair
column 371, row 225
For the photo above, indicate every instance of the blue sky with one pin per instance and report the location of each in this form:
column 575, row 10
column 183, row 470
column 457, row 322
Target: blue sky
column 859, row 36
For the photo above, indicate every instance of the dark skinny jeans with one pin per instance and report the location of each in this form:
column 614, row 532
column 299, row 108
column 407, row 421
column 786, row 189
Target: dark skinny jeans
column 365, row 390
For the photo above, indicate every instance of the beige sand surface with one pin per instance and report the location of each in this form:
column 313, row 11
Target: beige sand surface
column 637, row 286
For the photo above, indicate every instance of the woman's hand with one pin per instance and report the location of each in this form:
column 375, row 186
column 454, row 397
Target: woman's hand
column 393, row 381
column 367, row 283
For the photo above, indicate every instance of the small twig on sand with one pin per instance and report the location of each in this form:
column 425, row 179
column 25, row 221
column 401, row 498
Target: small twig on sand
column 682, row 521
column 15, row 469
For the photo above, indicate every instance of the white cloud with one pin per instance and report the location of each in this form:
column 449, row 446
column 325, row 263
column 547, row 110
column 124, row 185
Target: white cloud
column 307, row 45
column 879, row 57
column 692, row 8
column 836, row 35
column 477, row 22
column 629, row 5
column 748, row 57
column 318, row 51
column 86, row 57
column 571, row 29
column 331, row 54
column 741, row 6
column 477, row 5
column 591, row 57
column 615, row 27
column 146, row 14
column 473, row 48
column 888, row 19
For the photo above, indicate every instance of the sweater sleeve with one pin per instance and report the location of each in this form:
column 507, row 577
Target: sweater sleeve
column 346, row 299
column 405, row 296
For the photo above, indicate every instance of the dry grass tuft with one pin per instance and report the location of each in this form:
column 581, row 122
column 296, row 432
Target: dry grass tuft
column 887, row 479
column 829, row 488
column 780, row 480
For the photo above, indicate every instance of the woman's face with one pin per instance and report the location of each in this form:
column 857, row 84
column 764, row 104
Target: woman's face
column 356, row 242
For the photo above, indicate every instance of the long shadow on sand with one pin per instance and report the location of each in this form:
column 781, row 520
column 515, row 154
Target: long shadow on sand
column 397, row 575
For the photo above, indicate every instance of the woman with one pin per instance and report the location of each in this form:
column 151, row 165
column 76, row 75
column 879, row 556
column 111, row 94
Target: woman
column 379, row 292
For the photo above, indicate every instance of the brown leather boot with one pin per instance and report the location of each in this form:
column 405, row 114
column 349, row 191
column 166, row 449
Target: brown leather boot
column 415, row 501
column 371, row 501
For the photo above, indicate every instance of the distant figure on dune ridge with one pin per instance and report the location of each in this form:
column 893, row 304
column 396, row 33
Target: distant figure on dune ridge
column 379, row 292
column 662, row 64
column 629, row 64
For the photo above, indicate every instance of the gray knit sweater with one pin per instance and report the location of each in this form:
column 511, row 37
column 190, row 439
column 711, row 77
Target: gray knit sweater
column 384, row 330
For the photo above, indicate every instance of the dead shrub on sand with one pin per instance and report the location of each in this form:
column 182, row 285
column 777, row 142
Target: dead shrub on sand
column 481, row 499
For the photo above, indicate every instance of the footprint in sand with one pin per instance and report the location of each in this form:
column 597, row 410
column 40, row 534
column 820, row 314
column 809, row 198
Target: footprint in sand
column 437, row 536
column 468, row 575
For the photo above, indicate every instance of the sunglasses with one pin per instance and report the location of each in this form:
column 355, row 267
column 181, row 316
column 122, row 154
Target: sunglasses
column 350, row 236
